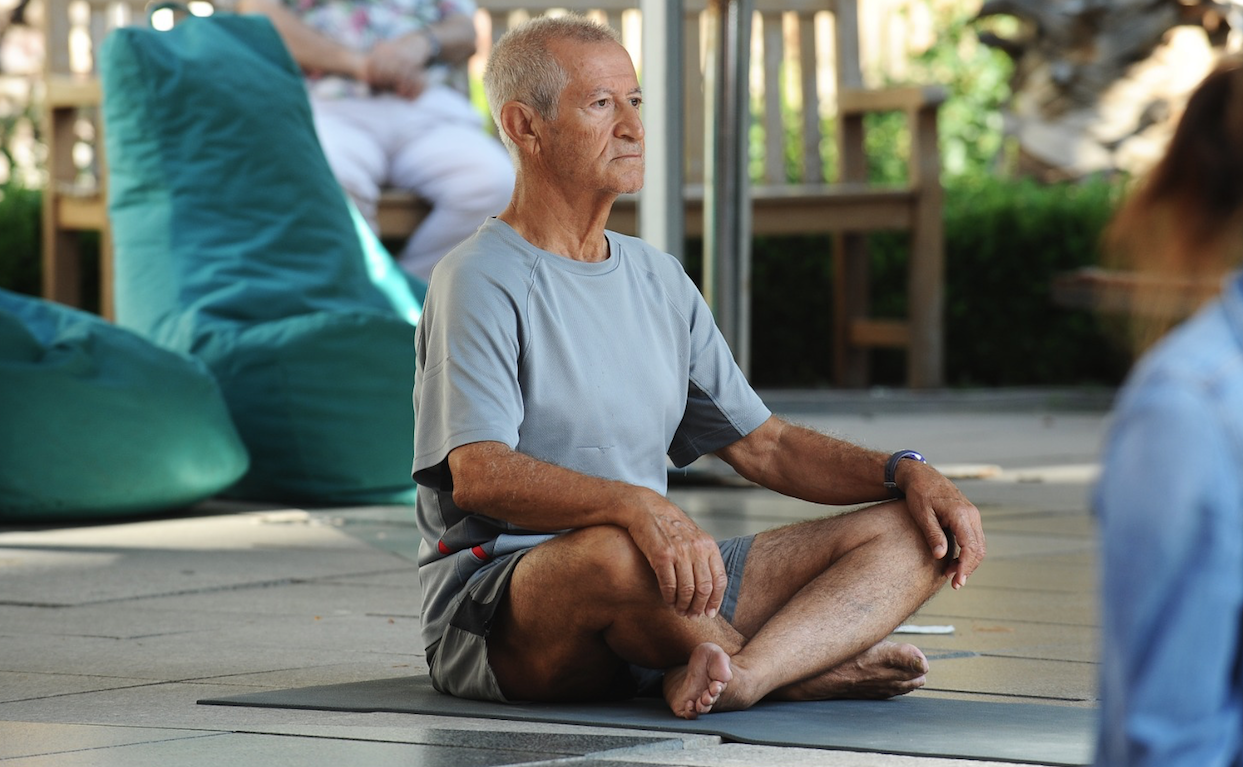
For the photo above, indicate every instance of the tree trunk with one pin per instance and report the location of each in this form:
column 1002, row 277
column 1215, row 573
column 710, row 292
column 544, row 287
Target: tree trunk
column 1099, row 84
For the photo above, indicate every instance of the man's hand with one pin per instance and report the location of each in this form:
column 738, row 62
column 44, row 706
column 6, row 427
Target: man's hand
column 936, row 505
column 686, row 560
column 496, row 480
column 400, row 64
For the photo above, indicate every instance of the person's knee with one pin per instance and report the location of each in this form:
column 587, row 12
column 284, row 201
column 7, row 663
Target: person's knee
column 902, row 532
column 608, row 557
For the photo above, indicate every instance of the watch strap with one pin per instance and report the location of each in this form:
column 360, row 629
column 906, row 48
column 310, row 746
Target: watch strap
column 891, row 469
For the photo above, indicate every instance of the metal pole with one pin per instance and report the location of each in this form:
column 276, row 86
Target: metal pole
column 661, row 210
column 727, row 198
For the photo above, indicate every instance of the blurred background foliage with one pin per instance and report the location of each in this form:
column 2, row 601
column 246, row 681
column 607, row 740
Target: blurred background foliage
column 1005, row 238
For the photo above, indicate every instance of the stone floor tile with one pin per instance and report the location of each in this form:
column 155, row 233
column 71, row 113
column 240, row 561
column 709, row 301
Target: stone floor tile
column 1077, row 523
column 1077, row 608
column 18, row 739
column 315, row 597
column 1023, row 574
column 1054, row 680
column 276, row 751
column 1010, row 639
column 24, row 685
column 742, row 755
column 75, row 566
column 202, row 654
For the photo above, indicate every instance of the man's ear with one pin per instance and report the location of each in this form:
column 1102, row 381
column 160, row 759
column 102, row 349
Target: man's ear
column 521, row 123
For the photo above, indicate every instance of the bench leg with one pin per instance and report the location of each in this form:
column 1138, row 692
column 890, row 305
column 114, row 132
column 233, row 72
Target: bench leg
column 850, row 303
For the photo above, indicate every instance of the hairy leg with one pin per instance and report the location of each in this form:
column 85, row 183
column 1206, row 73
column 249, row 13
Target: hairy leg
column 579, row 609
column 816, row 602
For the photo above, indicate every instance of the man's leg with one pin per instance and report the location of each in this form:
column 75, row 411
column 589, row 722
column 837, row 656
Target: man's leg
column 582, row 607
column 816, row 600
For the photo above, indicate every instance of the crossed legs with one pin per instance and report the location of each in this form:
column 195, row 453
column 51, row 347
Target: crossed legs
column 816, row 601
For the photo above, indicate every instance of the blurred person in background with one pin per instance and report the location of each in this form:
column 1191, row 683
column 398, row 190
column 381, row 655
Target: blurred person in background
column 376, row 73
column 1170, row 498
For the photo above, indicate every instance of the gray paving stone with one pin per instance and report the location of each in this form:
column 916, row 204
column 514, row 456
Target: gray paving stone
column 1036, row 641
column 19, row 739
column 277, row 751
column 19, row 685
column 1024, row 498
column 741, row 755
column 317, row 597
column 166, row 705
column 1003, row 544
column 185, row 656
column 1077, row 523
column 1023, row 574
column 107, row 563
column 1020, row 677
column 984, row 603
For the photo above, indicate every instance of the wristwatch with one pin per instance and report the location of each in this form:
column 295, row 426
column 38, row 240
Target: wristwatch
column 891, row 469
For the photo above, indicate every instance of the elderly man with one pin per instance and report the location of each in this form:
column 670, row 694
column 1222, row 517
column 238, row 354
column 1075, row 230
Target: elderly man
column 558, row 363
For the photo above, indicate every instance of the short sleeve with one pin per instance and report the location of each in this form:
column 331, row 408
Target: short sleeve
column 466, row 377
column 721, row 406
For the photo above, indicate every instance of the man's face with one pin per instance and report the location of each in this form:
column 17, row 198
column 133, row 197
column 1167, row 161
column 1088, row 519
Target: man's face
column 596, row 142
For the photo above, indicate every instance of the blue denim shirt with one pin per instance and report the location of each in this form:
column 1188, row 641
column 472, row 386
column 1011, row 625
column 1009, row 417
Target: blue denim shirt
column 1170, row 502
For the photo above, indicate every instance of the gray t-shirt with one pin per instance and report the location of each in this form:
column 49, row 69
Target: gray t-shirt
column 602, row 368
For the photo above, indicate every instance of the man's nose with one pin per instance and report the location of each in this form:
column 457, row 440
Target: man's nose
column 629, row 124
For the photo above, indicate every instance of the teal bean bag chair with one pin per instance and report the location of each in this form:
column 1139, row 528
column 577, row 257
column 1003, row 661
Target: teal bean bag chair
column 234, row 243
column 100, row 422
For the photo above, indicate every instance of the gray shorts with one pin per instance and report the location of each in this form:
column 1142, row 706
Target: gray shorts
column 459, row 661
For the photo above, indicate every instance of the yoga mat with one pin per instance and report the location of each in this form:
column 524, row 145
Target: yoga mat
column 912, row 725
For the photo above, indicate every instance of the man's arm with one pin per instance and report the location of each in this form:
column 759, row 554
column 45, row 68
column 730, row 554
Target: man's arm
column 490, row 478
column 805, row 464
column 313, row 51
column 400, row 64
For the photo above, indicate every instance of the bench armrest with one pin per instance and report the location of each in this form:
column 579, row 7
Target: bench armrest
column 911, row 98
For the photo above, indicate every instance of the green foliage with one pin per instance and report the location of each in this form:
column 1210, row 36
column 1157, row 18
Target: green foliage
column 1005, row 241
column 977, row 79
column 969, row 123
column 19, row 247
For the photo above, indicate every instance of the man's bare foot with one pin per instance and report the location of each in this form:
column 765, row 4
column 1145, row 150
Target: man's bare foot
column 886, row 670
column 695, row 688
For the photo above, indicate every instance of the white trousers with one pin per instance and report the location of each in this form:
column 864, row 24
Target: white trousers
column 434, row 146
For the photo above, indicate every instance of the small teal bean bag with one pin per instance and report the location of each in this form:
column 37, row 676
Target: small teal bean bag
column 235, row 243
column 100, row 422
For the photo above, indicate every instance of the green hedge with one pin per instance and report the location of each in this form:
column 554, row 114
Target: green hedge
column 21, row 268
column 20, row 211
column 1004, row 242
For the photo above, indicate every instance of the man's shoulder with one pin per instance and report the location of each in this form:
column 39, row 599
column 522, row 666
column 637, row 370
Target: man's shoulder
column 491, row 254
column 647, row 257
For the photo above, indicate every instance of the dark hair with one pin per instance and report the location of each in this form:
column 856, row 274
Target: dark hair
column 1183, row 225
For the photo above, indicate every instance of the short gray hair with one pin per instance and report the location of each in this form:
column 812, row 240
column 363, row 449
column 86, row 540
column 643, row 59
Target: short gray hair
column 522, row 69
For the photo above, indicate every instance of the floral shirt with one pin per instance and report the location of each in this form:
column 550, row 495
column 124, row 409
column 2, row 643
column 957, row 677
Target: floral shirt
column 360, row 24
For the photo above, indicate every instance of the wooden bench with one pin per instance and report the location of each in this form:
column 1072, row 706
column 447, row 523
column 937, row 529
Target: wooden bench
column 1112, row 291
column 783, row 203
